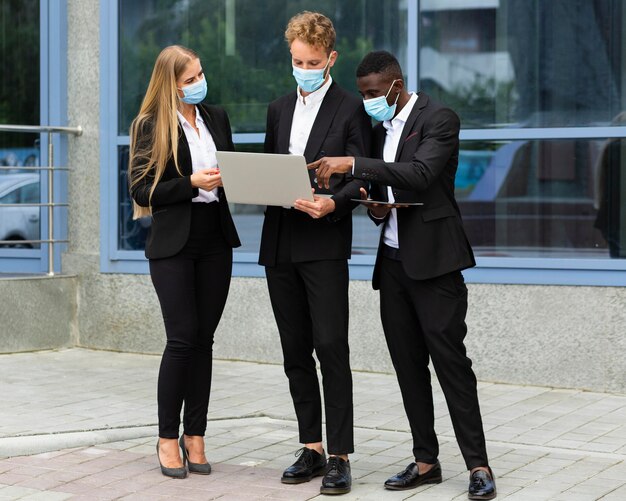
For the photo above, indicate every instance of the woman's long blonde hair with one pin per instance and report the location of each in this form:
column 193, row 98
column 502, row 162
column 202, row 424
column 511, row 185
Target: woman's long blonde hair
column 157, row 122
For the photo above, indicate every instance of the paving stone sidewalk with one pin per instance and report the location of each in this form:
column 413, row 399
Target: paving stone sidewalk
column 81, row 424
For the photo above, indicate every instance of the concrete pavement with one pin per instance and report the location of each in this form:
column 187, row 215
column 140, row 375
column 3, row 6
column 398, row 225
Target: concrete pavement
column 81, row 424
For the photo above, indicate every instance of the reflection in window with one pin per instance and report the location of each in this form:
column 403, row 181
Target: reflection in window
column 247, row 65
column 557, row 198
column 19, row 105
column 19, row 223
column 242, row 48
column 248, row 218
column 525, row 63
column 498, row 63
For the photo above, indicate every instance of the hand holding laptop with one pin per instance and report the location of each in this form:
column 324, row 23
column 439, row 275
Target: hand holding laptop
column 321, row 206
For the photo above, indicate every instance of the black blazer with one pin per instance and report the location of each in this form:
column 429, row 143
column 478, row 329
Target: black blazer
column 432, row 239
column 171, row 200
column 341, row 128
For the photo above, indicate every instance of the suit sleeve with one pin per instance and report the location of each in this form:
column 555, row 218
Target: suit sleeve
column 358, row 144
column 438, row 143
column 167, row 192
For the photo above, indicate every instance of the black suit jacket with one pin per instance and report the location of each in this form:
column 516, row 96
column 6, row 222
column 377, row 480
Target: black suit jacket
column 431, row 237
column 171, row 200
column 341, row 128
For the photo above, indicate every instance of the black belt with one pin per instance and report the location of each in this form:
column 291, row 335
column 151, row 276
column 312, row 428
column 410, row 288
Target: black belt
column 391, row 252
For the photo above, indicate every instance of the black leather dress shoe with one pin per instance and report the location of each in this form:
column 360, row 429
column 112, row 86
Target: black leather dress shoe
column 310, row 464
column 482, row 485
column 411, row 478
column 338, row 479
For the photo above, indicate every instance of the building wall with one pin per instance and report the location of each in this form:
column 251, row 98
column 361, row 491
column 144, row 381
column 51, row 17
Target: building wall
column 558, row 336
column 38, row 313
column 569, row 337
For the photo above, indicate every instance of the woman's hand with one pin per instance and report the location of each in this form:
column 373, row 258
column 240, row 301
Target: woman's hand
column 206, row 179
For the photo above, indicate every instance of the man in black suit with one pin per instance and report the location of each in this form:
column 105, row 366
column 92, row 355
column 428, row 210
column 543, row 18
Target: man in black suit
column 305, row 252
column 418, row 266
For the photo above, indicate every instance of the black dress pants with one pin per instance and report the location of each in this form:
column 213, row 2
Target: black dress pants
column 192, row 287
column 310, row 303
column 425, row 319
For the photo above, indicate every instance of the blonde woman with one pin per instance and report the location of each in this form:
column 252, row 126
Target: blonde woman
column 174, row 179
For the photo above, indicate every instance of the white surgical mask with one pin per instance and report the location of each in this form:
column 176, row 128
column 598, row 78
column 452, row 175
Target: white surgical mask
column 379, row 109
column 310, row 80
column 195, row 92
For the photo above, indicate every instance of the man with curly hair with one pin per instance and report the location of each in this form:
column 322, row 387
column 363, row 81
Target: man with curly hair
column 305, row 252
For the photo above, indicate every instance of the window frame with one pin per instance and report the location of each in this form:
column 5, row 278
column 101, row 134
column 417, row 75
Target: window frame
column 52, row 111
column 494, row 270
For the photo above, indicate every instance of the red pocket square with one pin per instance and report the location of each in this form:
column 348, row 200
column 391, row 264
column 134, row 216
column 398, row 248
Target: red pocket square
column 410, row 136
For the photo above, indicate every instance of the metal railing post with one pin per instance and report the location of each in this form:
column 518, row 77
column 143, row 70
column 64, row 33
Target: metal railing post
column 50, row 205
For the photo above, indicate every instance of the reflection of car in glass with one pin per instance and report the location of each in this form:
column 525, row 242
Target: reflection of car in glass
column 534, row 195
column 19, row 223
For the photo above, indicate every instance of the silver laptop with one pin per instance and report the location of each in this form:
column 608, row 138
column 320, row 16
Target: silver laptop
column 264, row 178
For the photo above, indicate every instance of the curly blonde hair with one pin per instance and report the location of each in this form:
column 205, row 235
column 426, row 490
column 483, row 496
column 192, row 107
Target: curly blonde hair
column 312, row 28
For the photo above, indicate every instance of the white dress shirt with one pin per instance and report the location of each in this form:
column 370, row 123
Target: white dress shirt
column 392, row 140
column 303, row 117
column 202, row 148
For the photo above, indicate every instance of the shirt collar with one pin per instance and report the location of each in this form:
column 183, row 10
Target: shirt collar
column 316, row 96
column 184, row 121
column 400, row 119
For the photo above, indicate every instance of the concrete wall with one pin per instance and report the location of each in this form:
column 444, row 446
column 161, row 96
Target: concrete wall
column 83, row 85
column 570, row 337
column 37, row 313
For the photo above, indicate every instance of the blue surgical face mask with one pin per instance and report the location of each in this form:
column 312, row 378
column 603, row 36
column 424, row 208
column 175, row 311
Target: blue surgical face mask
column 194, row 93
column 379, row 109
column 310, row 80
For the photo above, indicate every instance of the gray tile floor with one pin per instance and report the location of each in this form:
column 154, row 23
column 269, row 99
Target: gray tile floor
column 80, row 424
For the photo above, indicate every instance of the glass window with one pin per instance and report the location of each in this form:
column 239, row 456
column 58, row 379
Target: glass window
column 19, row 105
column 19, row 79
column 247, row 65
column 501, row 64
column 543, row 198
column 19, row 222
column 29, row 194
column 525, row 63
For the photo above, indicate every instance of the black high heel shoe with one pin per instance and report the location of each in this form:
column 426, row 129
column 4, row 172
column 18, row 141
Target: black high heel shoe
column 171, row 472
column 200, row 468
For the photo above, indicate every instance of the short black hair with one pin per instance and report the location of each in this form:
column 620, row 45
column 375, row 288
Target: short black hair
column 380, row 61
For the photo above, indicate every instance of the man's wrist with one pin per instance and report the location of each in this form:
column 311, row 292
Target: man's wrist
column 380, row 218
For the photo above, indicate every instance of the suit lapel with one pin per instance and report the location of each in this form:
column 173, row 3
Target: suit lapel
column 216, row 133
column 284, row 124
column 323, row 120
column 421, row 103
column 378, row 144
column 184, row 153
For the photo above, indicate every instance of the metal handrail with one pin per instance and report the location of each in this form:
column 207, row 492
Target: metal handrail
column 50, row 129
column 33, row 204
column 46, row 129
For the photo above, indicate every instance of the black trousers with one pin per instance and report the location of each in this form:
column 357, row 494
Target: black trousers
column 192, row 287
column 425, row 319
column 310, row 303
